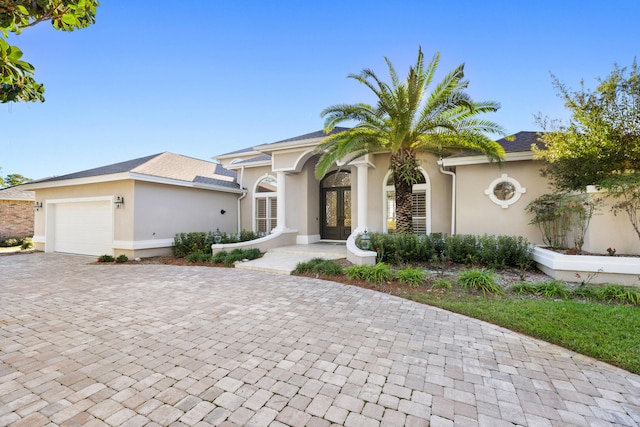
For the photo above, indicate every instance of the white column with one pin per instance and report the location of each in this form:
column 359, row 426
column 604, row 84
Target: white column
column 363, row 181
column 281, row 201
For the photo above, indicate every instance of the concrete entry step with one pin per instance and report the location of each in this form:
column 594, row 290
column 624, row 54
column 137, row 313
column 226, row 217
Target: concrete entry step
column 283, row 260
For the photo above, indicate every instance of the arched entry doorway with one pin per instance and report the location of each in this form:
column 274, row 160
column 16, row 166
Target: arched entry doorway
column 335, row 206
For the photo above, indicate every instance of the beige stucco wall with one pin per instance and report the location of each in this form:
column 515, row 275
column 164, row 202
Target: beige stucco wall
column 440, row 193
column 161, row 211
column 607, row 230
column 150, row 212
column 123, row 218
column 477, row 214
column 303, row 194
column 250, row 177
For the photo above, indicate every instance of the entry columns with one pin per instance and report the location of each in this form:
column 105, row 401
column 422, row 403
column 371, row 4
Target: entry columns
column 281, row 204
column 363, row 188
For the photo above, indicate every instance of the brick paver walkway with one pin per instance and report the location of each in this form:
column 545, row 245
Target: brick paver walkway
column 136, row 345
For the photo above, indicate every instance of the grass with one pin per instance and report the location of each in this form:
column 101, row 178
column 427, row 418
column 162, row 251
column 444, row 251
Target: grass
column 610, row 333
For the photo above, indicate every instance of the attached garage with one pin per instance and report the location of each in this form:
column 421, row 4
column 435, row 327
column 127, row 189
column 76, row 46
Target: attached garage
column 133, row 208
column 81, row 227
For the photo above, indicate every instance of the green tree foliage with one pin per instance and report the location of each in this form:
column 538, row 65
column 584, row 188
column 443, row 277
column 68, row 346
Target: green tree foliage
column 601, row 144
column 602, row 139
column 16, row 75
column 14, row 179
column 408, row 120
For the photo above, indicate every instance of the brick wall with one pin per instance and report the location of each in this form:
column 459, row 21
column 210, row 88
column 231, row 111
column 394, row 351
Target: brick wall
column 16, row 218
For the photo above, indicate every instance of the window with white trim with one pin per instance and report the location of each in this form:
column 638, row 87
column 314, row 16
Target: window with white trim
column 505, row 191
column 420, row 205
column 266, row 206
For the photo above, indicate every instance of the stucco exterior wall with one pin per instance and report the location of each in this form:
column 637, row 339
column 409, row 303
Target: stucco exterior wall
column 440, row 193
column 161, row 211
column 123, row 218
column 16, row 218
column 477, row 214
column 607, row 230
column 251, row 176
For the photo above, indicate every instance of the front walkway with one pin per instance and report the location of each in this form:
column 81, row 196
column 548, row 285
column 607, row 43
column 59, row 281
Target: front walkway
column 158, row 345
column 283, row 260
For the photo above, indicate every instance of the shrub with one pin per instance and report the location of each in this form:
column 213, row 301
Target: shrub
column 26, row 244
column 122, row 258
column 373, row 274
column 319, row 266
column 489, row 251
column 198, row 257
column 195, row 242
column 219, row 257
column 233, row 256
column 106, row 258
column 482, row 280
column 253, row 253
column 462, row 249
column 10, row 242
column 414, row 277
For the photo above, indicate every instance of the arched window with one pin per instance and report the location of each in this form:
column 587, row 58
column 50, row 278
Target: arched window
column 421, row 206
column 266, row 206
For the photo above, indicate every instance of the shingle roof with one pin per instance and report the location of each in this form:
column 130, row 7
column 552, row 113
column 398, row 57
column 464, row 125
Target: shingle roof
column 262, row 158
column 516, row 143
column 163, row 165
column 522, row 141
column 311, row 135
column 16, row 193
column 316, row 134
column 103, row 170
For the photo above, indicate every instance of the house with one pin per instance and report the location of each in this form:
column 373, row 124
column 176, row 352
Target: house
column 461, row 194
column 135, row 207
column 16, row 212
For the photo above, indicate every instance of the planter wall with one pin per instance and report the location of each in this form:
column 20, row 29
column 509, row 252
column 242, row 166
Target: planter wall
column 588, row 268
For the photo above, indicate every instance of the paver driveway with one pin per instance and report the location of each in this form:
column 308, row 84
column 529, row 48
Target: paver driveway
column 137, row 345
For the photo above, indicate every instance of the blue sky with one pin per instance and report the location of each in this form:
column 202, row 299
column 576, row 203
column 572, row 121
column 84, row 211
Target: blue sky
column 202, row 78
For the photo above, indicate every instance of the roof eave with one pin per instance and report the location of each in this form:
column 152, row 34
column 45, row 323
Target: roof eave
column 482, row 159
column 125, row 176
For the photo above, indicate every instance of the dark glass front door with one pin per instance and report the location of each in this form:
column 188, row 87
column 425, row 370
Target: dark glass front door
column 336, row 213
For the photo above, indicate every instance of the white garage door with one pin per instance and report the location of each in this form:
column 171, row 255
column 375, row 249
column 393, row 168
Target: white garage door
column 84, row 228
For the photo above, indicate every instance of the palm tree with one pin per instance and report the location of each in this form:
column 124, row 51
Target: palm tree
column 406, row 122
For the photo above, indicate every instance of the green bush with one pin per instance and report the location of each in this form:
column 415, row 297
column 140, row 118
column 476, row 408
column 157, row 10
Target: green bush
column 373, row 274
column 198, row 257
column 319, row 266
column 413, row 277
column 489, row 251
column 219, row 257
column 233, row 256
column 200, row 241
column 10, row 242
column 122, row 258
column 195, row 242
column 481, row 280
column 106, row 258
column 26, row 244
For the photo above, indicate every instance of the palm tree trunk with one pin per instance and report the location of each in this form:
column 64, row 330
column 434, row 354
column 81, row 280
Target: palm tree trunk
column 405, row 168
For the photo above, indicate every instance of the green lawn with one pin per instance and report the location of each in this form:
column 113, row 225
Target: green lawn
column 610, row 333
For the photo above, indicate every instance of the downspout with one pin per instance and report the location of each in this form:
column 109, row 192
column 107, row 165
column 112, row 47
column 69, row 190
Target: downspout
column 244, row 194
column 453, row 195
